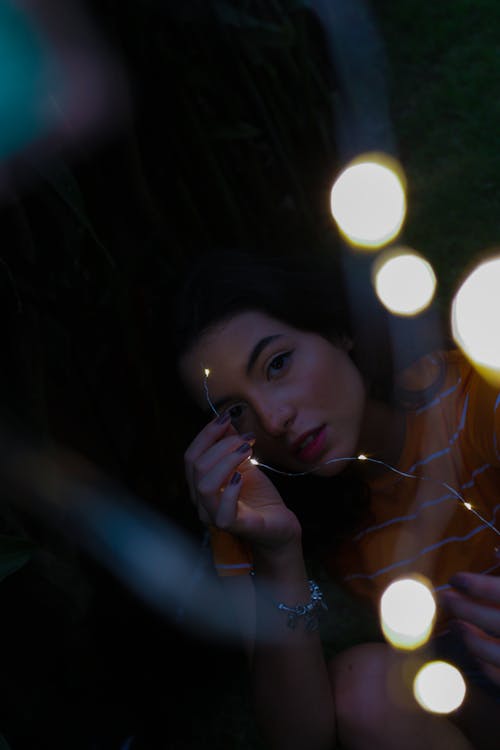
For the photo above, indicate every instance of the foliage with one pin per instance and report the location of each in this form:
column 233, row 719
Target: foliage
column 444, row 70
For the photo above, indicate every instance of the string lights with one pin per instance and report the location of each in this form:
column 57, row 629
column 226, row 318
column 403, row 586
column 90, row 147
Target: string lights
column 404, row 281
column 474, row 319
column 439, row 687
column 206, row 372
column 408, row 612
column 368, row 200
column 360, row 457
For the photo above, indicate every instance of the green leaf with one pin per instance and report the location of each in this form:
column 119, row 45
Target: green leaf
column 14, row 553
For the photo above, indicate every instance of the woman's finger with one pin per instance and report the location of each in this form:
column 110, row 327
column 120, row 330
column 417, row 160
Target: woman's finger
column 225, row 516
column 206, row 438
column 481, row 645
column 491, row 671
column 218, row 452
column 478, row 586
column 463, row 607
column 209, row 487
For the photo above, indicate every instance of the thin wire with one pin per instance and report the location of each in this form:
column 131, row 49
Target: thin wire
column 206, row 372
column 361, row 457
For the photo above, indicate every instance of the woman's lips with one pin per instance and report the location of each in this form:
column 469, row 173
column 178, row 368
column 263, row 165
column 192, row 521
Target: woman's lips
column 313, row 447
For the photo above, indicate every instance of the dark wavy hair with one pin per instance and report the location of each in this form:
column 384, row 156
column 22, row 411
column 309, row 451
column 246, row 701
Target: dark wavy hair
column 314, row 293
column 310, row 294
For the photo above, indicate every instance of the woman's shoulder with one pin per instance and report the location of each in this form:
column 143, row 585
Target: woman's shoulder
column 427, row 377
column 448, row 381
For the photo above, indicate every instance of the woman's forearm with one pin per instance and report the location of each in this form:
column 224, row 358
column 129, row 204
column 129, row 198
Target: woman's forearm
column 293, row 697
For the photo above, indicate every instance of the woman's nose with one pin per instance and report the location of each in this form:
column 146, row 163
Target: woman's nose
column 276, row 418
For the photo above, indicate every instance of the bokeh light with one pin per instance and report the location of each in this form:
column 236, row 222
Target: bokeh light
column 23, row 75
column 404, row 281
column 439, row 687
column 368, row 200
column 475, row 313
column 407, row 612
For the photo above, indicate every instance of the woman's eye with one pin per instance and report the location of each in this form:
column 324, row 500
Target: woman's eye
column 278, row 364
column 236, row 412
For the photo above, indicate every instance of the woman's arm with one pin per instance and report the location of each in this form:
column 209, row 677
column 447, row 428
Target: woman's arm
column 293, row 697
column 292, row 693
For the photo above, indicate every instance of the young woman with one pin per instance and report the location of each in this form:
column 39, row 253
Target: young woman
column 292, row 385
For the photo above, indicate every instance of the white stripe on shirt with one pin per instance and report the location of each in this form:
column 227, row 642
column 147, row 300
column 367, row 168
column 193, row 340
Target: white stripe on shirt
column 452, row 440
column 446, row 586
column 439, row 398
column 424, row 551
column 427, row 504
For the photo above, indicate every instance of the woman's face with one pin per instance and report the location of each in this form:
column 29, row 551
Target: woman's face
column 301, row 395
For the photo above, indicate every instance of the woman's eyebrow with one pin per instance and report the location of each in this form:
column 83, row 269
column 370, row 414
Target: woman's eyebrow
column 258, row 348
column 252, row 359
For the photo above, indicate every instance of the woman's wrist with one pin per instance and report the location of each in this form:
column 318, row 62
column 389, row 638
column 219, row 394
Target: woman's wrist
column 285, row 559
column 285, row 595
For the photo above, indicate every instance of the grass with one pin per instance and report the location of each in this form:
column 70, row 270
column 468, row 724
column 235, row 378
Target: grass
column 444, row 63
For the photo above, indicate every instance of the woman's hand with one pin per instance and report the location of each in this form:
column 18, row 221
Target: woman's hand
column 475, row 601
column 232, row 493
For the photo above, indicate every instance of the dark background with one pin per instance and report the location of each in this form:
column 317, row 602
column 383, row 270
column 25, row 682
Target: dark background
column 227, row 139
column 214, row 149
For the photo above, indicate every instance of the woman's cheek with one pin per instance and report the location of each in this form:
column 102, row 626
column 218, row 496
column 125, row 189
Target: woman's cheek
column 246, row 423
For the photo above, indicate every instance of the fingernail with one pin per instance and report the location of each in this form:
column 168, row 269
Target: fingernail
column 459, row 582
column 248, row 436
column 235, row 479
column 223, row 418
column 243, row 448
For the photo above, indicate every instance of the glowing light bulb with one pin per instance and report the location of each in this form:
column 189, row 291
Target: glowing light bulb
column 475, row 313
column 207, row 372
column 404, row 281
column 368, row 200
column 407, row 613
column 468, row 506
column 362, row 457
column 439, row 687
column 254, row 461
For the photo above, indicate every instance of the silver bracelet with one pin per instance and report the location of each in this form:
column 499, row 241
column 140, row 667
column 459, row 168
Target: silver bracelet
column 310, row 612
